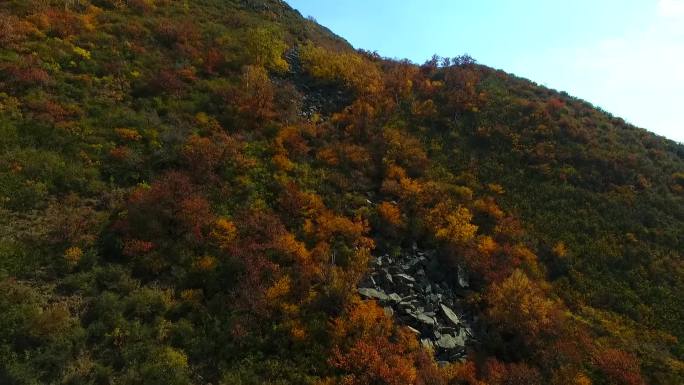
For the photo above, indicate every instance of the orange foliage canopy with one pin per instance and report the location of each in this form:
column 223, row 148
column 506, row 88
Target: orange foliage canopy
column 520, row 305
column 619, row 367
column 370, row 350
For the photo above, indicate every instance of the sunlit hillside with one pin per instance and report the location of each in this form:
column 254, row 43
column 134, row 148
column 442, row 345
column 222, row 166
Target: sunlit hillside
column 193, row 192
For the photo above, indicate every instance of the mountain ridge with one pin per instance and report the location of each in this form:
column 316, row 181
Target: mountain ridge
column 193, row 192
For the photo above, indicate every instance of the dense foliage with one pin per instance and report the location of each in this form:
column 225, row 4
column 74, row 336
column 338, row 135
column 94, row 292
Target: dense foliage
column 191, row 190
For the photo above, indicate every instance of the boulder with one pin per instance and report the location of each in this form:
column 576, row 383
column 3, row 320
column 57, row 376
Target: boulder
column 405, row 277
column 413, row 290
column 450, row 315
column 462, row 277
column 369, row 292
column 448, row 342
column 394, row 297
column 423, row 319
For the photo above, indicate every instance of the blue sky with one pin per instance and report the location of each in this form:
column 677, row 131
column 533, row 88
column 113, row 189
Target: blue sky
column 625, row 56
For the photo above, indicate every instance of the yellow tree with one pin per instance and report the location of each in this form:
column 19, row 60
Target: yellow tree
column 519, row 305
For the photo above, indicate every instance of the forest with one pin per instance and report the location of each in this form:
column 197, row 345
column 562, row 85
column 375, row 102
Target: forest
column 191, row 192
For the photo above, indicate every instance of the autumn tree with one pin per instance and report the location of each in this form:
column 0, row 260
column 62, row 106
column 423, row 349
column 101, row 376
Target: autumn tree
column 264, row 47
column 619, row 367
column 369, row 349
column 404, row 150
column 255, row 96
column 348, row 68
column 520, row 306
column 498, row 373
column 452, row 226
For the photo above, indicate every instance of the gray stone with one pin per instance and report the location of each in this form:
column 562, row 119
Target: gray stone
column 407, row 307
column 369, row 292
column 448, row 342
column 450, row 315
column 388, row 278
column 409, row 297
column 405, row 277
column 462, row 277
column 412, row 288
column 394, row 297
column 423, row 319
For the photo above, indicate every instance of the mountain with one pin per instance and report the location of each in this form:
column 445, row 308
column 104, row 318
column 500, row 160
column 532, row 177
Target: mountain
column 197, row 192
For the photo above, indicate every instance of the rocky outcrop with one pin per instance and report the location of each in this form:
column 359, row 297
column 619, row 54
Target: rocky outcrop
column 411, row 288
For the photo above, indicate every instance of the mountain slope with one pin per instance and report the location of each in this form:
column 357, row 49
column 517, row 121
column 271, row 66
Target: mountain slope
column 190, row 193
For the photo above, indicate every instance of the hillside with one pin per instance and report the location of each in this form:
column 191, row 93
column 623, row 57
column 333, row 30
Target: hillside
column 205, row 192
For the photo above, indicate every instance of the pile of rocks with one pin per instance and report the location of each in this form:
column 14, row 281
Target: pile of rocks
column 412, row 289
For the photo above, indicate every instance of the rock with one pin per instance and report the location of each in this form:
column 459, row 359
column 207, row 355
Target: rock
column 450, row 315
column 462, row 277
column 407, row 307
column 373, row 293
column 409, row 298
column 405, row 277
column 394, row 297
column 423, row 319
column 413, row 289
column 448, row 342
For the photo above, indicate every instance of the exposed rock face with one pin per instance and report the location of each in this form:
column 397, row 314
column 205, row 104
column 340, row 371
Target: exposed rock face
column 412, row 289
